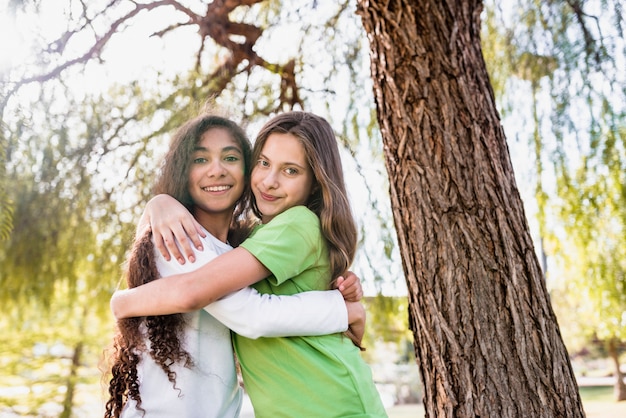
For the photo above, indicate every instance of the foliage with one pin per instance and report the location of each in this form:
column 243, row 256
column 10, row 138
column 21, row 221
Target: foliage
column 564, row 62
column 387, row 321
column 6, row 206
column 158, row 100
column 593, row 206
column 37, row 354
column 61, row 261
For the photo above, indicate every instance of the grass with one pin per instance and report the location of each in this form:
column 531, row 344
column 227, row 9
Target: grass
column 596, row 393
column 597, row 401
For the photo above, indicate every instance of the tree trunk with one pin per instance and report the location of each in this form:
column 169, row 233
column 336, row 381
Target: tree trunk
column 620, row 386
column 486, row 338
column 68, row 402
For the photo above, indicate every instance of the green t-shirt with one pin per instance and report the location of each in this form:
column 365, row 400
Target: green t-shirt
column 321, row 376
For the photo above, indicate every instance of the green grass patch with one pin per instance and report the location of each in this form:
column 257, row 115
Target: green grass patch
column 596, row 393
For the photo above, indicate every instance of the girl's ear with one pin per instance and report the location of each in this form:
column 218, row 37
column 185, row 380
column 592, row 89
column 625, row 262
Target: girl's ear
column 314, row 189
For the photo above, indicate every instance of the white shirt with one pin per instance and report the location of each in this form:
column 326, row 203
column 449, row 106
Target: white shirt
column 210, row 388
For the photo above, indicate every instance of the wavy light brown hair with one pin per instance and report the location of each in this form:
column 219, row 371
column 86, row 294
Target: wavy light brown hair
column 165, row 331
column 329, row 200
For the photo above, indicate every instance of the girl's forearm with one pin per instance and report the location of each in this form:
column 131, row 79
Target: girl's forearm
column 254, row 315
column 190, row 291
column 154, row 298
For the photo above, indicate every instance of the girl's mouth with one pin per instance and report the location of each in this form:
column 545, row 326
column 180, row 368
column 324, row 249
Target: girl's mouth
column 268, row 197
column 216, row 188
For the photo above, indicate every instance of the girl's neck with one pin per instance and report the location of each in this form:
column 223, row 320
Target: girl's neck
column 217, row 224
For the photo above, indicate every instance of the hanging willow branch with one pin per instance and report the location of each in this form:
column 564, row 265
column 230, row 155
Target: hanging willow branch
column 215, row 24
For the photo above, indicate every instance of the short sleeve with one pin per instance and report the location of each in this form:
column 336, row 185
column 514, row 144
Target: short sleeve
column 289, row 244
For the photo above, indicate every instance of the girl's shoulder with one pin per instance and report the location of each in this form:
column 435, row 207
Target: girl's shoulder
column 297, row 214
column 298, row 220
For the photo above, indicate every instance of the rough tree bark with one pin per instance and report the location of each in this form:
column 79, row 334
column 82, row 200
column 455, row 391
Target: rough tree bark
column 486, row 338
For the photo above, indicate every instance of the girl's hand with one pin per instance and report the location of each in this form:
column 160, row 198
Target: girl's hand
column 170, row 222
column 356, row 321
column 350, row 287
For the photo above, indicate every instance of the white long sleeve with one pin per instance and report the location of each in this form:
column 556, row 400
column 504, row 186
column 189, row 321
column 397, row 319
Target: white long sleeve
column 253, row 315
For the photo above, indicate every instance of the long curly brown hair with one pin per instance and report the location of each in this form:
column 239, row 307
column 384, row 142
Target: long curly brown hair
column 164, row 331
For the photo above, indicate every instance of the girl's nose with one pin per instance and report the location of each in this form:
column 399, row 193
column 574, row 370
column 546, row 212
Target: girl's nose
column 270, row 180
column 216, row 169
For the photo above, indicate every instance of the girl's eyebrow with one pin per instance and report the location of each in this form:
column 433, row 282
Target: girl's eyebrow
column 232, row 148
column 225, row 149
column 261, row 155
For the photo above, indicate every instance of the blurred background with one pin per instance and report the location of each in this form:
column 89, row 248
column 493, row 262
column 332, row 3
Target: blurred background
column 90, row 92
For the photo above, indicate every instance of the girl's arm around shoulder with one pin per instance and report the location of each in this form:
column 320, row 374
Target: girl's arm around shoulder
column 171, row 222
column 191, row 291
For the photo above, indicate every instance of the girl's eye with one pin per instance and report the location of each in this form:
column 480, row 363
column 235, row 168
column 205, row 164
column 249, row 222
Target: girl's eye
column 199, row 160
column 263, row 163
column 291, row 171
column 231, row 158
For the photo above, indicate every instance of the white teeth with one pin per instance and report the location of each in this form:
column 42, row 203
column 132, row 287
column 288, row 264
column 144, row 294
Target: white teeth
column 215, row 188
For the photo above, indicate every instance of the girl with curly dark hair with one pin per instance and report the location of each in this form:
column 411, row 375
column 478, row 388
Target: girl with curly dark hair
column 183, row 364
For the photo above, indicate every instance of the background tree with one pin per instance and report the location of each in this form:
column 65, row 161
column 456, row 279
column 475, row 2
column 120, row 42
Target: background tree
column 58, row 263
column 6, row 207
column 486, row 338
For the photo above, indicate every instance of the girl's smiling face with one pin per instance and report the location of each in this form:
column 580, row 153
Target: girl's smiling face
column 281, row 177
column 216, row 173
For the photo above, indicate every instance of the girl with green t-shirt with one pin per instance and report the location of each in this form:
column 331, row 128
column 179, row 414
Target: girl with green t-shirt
column 307, row 234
